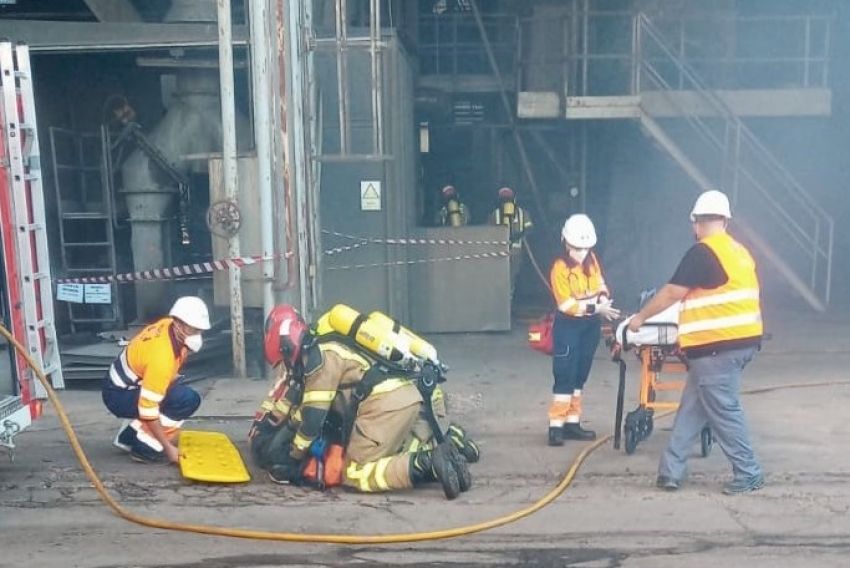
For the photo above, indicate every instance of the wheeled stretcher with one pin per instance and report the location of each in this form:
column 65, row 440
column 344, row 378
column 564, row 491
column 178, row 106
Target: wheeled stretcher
column 655, row 345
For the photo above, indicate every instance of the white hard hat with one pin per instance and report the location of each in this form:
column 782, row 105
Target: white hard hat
column 579, row 232
column 712, row 202
column 191, row 310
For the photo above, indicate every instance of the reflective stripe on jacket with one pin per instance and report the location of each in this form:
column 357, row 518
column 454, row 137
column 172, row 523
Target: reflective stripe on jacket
column 577, row 286
column 727, row 313
column 515, row 218
column 150, row 362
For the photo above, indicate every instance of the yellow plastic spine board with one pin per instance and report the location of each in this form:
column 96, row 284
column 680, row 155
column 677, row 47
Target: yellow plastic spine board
column 211, row 457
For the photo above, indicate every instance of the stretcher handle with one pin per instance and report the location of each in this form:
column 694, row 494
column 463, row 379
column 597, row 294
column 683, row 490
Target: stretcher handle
column 618, row 415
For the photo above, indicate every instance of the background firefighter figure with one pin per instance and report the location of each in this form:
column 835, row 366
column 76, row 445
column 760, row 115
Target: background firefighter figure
column 582, row 298
column 453, row 213
column 518, row 222
column 333, row 392
column 141, row 384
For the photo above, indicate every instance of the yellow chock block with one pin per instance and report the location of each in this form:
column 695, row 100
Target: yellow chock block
column 211, row 457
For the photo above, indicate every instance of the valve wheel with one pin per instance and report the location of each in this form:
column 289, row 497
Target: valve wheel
column 224, row 218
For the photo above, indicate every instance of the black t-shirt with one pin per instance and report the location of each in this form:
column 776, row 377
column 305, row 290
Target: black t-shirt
column 700, row 268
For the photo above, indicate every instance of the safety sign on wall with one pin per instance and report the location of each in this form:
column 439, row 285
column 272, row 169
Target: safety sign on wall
column 370, row 195
column 84, row 293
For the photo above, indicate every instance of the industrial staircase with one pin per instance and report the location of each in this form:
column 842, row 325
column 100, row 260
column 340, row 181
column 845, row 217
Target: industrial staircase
column 773, row 212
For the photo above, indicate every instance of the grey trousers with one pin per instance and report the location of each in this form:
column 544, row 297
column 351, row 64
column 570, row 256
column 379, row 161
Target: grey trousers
column 712, row 396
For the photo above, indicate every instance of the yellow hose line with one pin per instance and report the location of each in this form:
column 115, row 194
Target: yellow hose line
column 116, row 507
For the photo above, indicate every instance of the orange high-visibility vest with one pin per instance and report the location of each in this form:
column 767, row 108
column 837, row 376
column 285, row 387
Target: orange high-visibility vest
column 573, row 289
column 149, row 363
column 726, row 313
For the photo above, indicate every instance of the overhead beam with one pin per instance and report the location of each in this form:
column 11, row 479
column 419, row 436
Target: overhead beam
column 114, row 10
column 59, row 37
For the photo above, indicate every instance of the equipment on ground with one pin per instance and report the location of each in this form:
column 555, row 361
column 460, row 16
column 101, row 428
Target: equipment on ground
column 211, row 457
column 656, row 349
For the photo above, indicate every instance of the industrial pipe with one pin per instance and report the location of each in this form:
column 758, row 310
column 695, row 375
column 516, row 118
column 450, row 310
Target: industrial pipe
column 230, row 177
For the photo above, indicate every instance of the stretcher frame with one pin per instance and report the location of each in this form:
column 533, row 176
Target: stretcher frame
column 655, row 361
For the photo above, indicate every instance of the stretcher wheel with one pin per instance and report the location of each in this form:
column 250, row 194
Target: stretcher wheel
column 706, row 441
column 631, row 435
column 647, row 427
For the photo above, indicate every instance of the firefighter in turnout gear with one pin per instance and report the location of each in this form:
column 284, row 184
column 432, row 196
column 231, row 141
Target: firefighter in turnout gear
column 453, row 213
column 518, row 222
column 333, row 391
column 582, row 299
column 141, row 384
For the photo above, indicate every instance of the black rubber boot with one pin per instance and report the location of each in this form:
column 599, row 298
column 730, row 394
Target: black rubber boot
column 574, row 431
column 436, row 464
column 459, row 463
column 556, row 436
column 464, row 444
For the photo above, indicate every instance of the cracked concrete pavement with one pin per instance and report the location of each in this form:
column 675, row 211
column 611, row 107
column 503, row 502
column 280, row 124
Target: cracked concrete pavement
column 611, row 516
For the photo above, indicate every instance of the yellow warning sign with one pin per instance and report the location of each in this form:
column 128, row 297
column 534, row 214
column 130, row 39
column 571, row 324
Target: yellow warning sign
column 211, row 457
column 370, row 195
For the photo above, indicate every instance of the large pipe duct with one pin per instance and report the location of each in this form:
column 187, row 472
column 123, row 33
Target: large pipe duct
column 192, row 125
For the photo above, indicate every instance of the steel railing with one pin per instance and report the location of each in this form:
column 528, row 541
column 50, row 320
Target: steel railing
column 759, row 184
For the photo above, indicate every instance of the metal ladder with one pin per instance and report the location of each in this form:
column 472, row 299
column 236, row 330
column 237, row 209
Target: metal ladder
column 20, row 134
column 86, row 232
column 776, row 212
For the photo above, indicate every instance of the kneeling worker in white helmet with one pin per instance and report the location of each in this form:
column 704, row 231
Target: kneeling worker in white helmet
column 140, row 386
column 720, row 329
column 582, row 298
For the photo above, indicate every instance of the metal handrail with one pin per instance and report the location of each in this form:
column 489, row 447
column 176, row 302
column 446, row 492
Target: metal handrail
column 726, row 112
column 808, row 62
column 808, row 241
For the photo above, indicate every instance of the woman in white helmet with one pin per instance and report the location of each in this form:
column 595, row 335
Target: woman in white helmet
column 140, row 386
column 582, row 297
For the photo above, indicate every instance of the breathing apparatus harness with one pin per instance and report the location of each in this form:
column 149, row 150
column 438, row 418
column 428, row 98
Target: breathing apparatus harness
column 426, row 375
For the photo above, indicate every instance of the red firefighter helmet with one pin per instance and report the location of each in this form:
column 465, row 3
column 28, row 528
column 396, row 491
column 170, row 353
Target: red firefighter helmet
column 506, row 194
column 285, row 335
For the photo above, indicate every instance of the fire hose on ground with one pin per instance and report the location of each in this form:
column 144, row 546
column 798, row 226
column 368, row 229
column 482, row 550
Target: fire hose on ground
column 165, row 524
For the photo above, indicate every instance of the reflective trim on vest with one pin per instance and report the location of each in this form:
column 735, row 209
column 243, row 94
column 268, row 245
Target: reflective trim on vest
column 729, row 312
column 717, row 299
column 720, row 323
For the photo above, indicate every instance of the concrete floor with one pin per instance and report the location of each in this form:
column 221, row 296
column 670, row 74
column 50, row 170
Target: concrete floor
column 611, row 516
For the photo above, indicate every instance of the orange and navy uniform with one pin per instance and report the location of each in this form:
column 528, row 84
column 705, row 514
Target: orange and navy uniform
column 150, row 363
column 727, row 316
column 576, row 286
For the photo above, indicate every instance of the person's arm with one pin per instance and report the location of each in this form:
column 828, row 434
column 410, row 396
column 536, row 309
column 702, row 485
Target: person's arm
column 663, row 299
column 155, row 382
column 699, row 268
column 320, row 389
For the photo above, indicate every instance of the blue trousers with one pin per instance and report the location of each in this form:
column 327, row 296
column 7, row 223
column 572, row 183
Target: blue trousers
column 712, row 396
column 180, row 401
column 574, row 343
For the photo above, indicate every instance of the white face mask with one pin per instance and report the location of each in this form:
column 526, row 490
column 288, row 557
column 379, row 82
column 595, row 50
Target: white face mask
column 194, row 342
column 579, row 255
